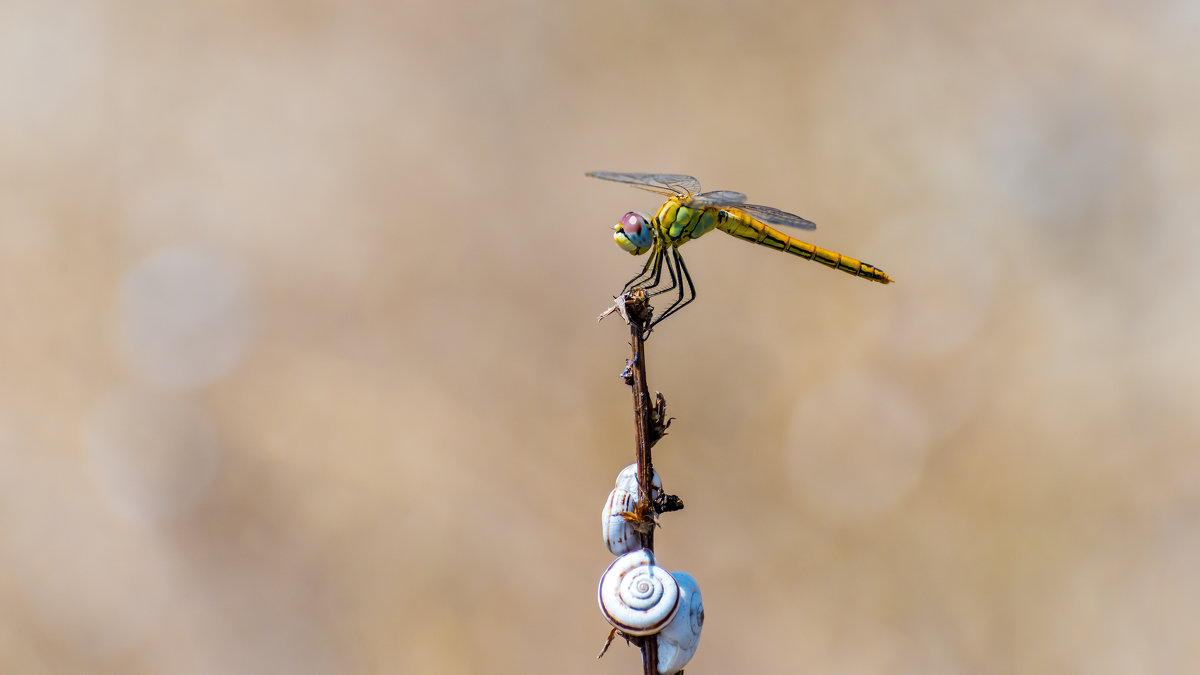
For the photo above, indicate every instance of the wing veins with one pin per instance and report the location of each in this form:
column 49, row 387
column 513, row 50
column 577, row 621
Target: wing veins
column 670, row 184
column 774, row 216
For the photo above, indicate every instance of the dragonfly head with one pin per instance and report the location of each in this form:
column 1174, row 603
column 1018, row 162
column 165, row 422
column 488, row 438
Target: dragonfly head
column 634, row 233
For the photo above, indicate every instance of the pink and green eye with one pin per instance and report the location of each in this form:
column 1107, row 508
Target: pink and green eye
column 633, row 223
column 636, row 232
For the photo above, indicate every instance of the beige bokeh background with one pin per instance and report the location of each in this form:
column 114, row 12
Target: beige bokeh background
column 300, row 371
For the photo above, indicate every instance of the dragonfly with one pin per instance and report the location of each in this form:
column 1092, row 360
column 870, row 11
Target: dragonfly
column 689, row 213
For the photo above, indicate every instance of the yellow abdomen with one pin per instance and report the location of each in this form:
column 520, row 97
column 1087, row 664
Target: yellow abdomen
column 744, row 227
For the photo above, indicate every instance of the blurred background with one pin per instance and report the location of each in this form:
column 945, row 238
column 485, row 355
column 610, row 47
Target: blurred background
column 300, row 370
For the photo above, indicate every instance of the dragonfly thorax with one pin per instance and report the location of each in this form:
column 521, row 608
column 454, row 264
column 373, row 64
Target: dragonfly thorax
column 635, row 233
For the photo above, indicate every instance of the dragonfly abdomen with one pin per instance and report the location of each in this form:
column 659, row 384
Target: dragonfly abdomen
column 751, row 230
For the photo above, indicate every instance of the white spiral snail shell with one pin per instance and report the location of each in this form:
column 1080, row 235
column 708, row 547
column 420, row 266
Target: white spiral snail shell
column 677, row 642
column 619, row 535
column 627, row 480
column 637, row 596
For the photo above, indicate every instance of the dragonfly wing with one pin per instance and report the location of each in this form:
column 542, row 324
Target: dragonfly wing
column 670, row 184
column 721, row 198
column 773, row 216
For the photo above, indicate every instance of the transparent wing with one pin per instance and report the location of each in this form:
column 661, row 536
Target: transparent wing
column 679, row 185
column 721, row 198
column 670, row 184
column 773, row 216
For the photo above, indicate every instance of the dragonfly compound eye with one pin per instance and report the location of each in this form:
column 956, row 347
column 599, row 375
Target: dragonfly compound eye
column 634, row 233
column 633, row 223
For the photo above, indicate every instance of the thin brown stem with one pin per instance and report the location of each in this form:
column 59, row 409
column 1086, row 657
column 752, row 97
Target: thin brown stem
column 639, row 312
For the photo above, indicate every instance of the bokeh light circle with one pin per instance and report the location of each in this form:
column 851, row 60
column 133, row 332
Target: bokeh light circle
column 185, row 317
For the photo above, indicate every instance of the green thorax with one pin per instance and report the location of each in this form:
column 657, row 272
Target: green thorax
column 677, row 221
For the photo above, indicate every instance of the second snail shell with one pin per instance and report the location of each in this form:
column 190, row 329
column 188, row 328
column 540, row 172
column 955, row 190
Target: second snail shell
column 637, row 596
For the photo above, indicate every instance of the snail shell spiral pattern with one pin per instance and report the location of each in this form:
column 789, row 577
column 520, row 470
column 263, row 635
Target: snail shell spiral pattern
column 637, row 596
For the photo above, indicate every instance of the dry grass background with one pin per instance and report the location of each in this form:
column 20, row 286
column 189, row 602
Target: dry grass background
column 301, row 373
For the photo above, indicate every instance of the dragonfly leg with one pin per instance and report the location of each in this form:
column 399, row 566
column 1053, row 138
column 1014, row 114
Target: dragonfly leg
column 642, row 277
column 659, row 262
column 655, row 266
column 670, row 273
column 680, row 303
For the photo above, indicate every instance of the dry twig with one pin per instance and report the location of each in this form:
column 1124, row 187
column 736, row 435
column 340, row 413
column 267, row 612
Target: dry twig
column 650, row 424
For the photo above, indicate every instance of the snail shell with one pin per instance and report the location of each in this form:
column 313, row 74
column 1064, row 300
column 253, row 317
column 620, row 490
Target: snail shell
column 619, row 535
column 637, row 596
column 627, row 480
column 678, row 640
